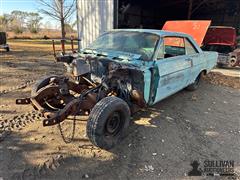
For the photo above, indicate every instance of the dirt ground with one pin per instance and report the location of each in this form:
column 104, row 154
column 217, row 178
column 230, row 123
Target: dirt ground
column 162, row 141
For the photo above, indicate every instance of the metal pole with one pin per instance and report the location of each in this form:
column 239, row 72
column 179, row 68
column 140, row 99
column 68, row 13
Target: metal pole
column 190, row 9
column 63, row 46
column 78, row 26
column 54, row 50
column 72, row 46
column 115, row 14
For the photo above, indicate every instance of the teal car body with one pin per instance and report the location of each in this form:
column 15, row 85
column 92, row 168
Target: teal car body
column 163, row 76
column 118, row 74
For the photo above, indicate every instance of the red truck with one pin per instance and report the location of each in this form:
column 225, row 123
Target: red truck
column 223, row 40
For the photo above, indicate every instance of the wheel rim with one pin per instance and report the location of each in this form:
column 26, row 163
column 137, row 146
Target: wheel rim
column 232, row 62
column 113, row 124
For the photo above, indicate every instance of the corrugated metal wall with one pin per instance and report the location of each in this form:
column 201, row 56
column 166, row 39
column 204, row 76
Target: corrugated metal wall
column 94, row 18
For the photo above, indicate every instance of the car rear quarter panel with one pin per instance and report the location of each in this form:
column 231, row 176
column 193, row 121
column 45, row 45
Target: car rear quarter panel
column 204, row 61
column 211, row 59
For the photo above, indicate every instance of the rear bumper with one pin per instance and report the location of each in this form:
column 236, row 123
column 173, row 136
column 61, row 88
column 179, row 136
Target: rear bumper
column 222, row 63
column 223, row 59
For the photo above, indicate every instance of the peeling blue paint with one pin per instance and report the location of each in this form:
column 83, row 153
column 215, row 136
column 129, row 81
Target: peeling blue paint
column 166, row 76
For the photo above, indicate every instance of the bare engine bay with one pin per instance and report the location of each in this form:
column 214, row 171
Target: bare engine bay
column 91, row 79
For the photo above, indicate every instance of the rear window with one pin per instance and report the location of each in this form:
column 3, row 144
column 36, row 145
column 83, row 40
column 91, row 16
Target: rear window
column 174, row 46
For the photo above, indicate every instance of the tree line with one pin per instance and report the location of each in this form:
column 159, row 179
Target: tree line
column 20, row 21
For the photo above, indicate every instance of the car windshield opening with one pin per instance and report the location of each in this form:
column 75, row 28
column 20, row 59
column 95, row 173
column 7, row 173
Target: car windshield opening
column 141, row 43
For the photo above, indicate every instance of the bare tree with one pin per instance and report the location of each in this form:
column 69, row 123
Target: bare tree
column 60, row 10
column 33, row 22
column 5, row 22
column 18, row 21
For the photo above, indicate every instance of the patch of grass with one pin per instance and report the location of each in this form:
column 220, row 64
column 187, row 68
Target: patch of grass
column 40, row 35
column 38, row 45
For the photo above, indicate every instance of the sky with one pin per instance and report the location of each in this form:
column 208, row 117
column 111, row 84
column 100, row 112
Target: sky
column 7, row 6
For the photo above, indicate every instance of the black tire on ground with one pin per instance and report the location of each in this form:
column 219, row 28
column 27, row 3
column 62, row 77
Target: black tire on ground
column 108, row 122
column 194, row 86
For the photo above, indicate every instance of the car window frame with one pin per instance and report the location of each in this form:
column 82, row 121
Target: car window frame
column 161, row 45
column 190, row 42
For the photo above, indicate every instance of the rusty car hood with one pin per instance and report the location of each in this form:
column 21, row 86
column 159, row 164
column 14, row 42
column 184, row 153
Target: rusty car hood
column 120, row 55
column 129, row 59
column 221, row 35
column 196, row 29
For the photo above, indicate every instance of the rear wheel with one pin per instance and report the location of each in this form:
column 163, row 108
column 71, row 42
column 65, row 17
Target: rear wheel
column 108, row 121
column 194, row 86
column 232, row 62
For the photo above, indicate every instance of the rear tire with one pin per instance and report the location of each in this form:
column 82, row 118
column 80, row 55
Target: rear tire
column 232, row 62
column 194, row 86
column 108, row 122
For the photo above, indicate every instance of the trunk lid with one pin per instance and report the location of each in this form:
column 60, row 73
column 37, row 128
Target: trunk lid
column 196, row 29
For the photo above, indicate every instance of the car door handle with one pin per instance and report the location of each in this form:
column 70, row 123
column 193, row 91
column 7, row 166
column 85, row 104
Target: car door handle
column 189, row 60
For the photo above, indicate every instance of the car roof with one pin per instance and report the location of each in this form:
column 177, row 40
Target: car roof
column 155, row 31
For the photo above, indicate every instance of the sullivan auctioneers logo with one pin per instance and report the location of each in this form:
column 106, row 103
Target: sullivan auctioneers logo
column 212, row 168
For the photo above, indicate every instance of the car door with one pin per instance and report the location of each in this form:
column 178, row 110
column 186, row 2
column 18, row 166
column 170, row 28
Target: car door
column 174, row 67
column 195, row 57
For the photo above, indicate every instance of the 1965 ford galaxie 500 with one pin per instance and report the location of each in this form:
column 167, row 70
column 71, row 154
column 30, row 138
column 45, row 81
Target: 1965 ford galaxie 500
column 120, row 72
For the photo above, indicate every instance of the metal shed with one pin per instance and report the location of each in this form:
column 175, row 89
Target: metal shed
column 98, row 16
column 94, row 18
